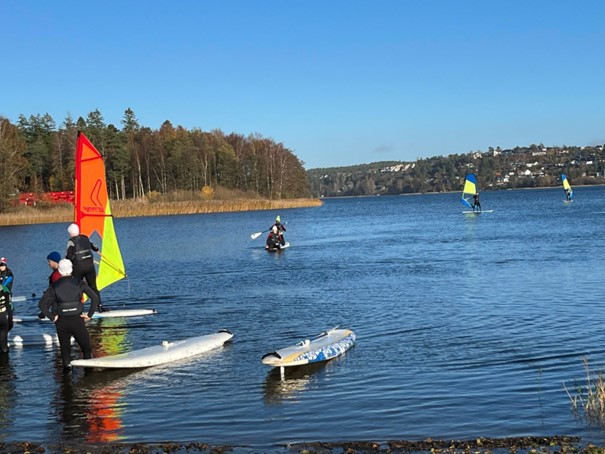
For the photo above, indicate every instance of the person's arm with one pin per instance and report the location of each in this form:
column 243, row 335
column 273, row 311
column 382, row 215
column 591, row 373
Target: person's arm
column 71, row 250
column 46, row 302
column 94, row 298
column 93, row 247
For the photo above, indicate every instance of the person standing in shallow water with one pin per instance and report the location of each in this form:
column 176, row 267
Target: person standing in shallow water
column 53, row 262
column 6, row 277
column 6, row 318
column 62, row 303
column 79, row 251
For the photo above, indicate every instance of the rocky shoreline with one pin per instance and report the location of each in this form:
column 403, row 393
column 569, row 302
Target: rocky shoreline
column 513, row 445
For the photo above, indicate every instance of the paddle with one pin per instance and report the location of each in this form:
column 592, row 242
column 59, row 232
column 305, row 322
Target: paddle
column 257, row 234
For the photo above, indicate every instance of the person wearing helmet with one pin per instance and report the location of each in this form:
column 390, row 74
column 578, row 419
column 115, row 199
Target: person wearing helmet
column 62, row 303
column 273, row 239
column 79, row 251
column 281, row 229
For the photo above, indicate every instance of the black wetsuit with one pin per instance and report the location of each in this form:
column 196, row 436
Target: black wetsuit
column 64, row 298
column 6, row 319
column 79, row 251
column 273, row 241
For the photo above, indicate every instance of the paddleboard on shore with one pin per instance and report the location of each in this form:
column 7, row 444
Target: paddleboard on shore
column 160, row 354
column 323, row 347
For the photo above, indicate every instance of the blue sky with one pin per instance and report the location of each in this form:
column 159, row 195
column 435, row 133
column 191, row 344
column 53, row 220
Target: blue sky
column 337, row 82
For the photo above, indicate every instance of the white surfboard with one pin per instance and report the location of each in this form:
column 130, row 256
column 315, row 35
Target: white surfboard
column 27, row 339
column 478, row 212
column 159, row 354
column 19, row 299
column 324, row 347
column 108, row 314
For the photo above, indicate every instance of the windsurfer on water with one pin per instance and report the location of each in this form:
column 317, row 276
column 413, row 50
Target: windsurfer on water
column 79, row 251
column 476, row 202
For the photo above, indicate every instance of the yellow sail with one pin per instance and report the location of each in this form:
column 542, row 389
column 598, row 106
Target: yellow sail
column 93, row 213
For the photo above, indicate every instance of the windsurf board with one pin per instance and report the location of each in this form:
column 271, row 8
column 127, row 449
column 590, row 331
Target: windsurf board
column 160, row 354
column 323, row 347
column 107, row 314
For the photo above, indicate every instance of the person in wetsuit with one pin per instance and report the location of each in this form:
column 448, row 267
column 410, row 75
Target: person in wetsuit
column 79, row 251
column 476, row 202
column 53, row 262
column 281, row 228
column 6, row 277
column 6, row 318
column 62, row 303
column 273, row 239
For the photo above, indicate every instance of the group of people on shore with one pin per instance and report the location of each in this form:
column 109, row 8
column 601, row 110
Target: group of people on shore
column 72, row 277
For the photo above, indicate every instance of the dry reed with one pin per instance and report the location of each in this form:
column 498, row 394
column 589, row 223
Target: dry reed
column 589, row 398
column 24, row 215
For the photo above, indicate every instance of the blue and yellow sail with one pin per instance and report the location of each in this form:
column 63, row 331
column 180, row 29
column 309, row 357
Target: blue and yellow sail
column 567, row 186
column 93, row 213
column 470, row 189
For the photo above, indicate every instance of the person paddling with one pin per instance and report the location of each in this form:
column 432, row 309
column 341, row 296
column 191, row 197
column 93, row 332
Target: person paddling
column 62, row 303
column 281, row 228
column 79, row 251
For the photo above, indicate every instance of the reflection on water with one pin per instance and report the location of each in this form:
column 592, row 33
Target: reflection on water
column 287, row 383
column 7, row 391
column 89, row 406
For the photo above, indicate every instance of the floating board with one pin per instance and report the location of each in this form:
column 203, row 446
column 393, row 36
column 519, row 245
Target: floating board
column 274, row 249
column 108, row 314
column 325, row 346
column 21, row 340
column 19, row 299
column 478, row 212
column 159, row 354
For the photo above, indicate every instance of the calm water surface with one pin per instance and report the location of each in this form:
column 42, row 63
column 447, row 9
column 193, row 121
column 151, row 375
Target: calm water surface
column 467, row 326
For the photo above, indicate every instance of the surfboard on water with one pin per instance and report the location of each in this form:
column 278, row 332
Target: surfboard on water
column 19, row 299
column 160, row 354
column 323, row 347
column 108, row 314
column 26, row 339
column 478, row 212
column 286, row 245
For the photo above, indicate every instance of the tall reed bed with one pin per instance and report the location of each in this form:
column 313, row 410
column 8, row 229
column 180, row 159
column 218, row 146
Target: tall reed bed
column 149, row 207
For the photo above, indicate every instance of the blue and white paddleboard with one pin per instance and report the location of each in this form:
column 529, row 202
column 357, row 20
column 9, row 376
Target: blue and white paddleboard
column 160, row 354
column 324, row 347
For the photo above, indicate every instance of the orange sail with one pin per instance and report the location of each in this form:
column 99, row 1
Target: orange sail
column 93, row 213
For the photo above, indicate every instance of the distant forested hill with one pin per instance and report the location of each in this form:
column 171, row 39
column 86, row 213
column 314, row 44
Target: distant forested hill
column 520, row 167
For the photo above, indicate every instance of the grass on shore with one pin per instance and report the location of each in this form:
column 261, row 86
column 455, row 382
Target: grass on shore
column 154, row 205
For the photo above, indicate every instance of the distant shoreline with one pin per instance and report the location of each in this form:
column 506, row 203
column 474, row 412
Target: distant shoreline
column 26, row 215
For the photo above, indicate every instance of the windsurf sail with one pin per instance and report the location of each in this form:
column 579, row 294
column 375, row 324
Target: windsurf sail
column 567, row 187
column 470, row 189
column 93, row 213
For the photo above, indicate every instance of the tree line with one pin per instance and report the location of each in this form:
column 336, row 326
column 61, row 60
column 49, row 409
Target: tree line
column 37, row 156
column 520, row 167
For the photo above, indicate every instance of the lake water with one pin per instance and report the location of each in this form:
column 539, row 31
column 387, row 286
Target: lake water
column 467, row 326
